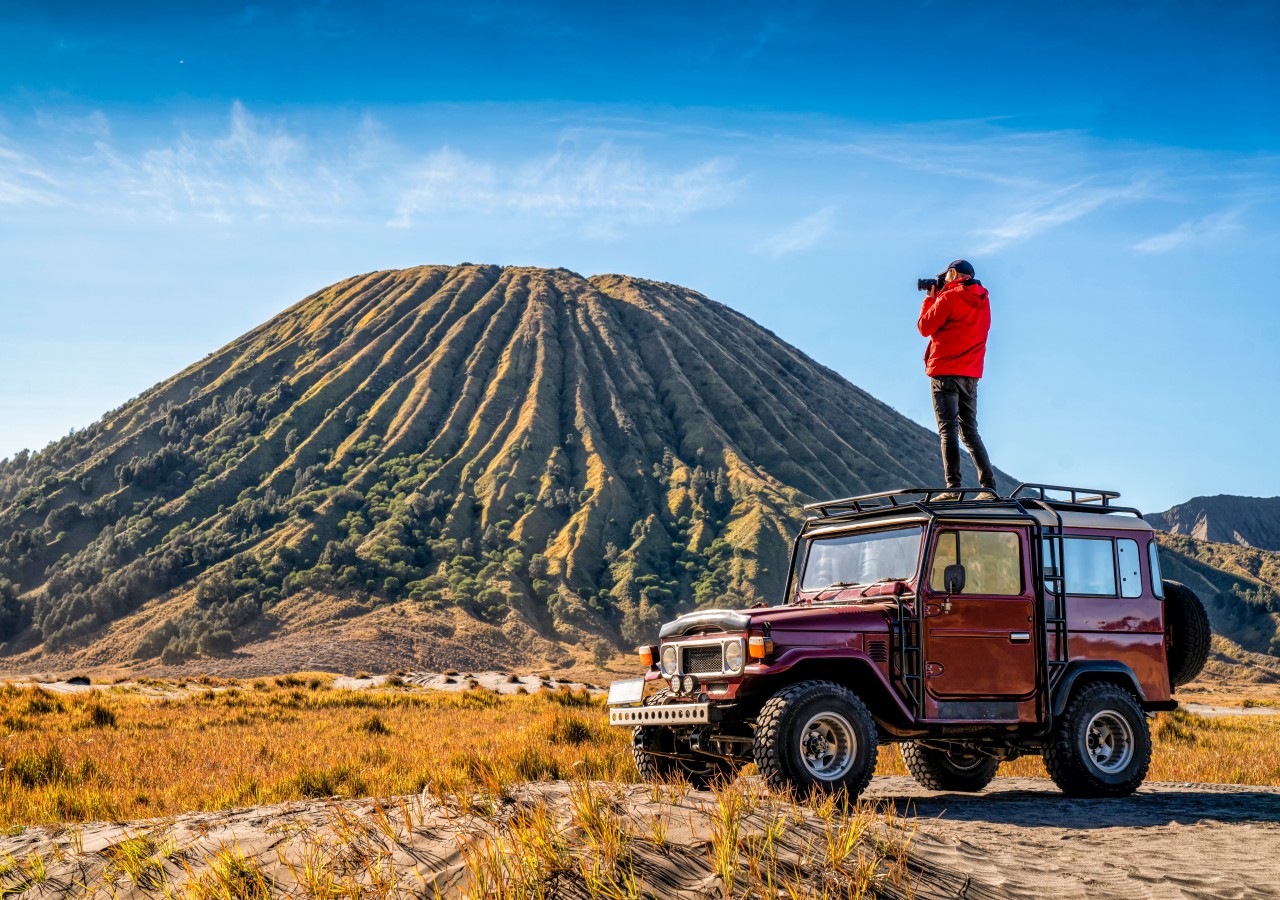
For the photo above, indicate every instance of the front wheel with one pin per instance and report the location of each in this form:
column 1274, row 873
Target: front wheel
column 1101, row 746
column 939, row 770
column 816, row 736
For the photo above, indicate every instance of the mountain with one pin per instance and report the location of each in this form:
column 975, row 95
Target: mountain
column 1248, row 521
column 461, row 465
column 1240, row 587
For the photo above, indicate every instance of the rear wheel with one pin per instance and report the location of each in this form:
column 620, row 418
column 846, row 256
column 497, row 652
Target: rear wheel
column 816, row 736
column 1187, row 632
column 1101, row 745
column 654, row 749
column 939, row 770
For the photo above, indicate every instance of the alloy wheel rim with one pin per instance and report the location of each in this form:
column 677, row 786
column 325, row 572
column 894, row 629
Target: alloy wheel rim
column 1109, row 742
column 828, row 746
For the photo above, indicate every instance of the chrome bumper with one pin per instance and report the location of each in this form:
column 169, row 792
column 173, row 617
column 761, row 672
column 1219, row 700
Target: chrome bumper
column 671, row 714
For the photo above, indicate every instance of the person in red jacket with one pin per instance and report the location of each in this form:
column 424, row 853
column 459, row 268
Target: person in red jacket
column 956, row 319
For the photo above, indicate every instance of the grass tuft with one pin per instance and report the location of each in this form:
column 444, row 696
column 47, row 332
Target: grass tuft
column 101, row 716
column 374, row 725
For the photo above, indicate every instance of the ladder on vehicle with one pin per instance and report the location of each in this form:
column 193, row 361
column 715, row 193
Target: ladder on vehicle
column 906, row 652
column 1051, row 586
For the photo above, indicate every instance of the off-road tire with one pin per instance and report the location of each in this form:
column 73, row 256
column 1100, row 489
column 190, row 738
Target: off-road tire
column 650, row 742
column 1187, row 632
column 780, row 730
column 939, row 770
column 1094, row 710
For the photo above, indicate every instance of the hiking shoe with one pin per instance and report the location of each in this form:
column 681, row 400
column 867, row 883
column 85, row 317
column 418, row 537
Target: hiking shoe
column 946, row 495
column 987, row 495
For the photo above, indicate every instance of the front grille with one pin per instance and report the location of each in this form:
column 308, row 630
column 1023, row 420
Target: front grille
column 704, row 660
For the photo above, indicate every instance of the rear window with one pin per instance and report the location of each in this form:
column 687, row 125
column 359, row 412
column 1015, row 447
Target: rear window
column 1090, row 566
column 1157, row 582
column 1130, row 567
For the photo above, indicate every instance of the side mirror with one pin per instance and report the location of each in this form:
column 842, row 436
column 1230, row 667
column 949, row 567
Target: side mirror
column 953, row 578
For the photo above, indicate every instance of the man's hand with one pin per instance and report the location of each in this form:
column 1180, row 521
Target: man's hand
column 933, row 290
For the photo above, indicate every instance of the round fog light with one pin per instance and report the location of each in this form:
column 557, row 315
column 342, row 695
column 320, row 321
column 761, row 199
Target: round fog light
column 675, row 683
column 689, row 684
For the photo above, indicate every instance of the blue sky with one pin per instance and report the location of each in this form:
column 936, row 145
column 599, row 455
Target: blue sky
column 171, row 176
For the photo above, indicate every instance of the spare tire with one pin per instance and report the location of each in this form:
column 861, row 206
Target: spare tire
column 1186, row 628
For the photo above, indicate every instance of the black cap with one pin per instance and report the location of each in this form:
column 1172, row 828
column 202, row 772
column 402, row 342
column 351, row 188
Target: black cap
column 963, row 266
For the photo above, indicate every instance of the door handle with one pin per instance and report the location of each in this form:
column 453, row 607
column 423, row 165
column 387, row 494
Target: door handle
column 1019, row 637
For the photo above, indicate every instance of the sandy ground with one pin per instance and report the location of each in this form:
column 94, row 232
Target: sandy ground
column 1020, row 838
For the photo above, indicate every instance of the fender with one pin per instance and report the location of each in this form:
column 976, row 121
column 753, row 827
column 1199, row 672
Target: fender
column 1111, row 670
column 855, row 660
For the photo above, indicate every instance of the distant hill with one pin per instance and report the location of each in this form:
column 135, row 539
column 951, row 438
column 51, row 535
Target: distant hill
column 461, row 465
column 1240, row 587
column 1226, row 519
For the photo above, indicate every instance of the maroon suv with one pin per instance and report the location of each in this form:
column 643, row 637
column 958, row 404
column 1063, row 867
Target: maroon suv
column 967, row 631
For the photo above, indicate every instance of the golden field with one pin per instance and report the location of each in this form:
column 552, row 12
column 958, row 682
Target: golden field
column 159, row 749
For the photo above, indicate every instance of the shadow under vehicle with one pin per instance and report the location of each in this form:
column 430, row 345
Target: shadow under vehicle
column 969, row 631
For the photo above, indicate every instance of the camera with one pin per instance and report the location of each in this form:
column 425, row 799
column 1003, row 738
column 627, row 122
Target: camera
column 926, row 284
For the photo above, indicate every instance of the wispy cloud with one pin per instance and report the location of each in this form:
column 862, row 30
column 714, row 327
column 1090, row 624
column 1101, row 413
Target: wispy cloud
column 606, row 188
column 1210, row 227
column 255, row 168
column 23, row 182
column 1055, row 208
column 799, row 235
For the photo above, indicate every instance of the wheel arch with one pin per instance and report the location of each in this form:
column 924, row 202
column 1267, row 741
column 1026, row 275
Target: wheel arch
column 1085, row 672
column 857, row 673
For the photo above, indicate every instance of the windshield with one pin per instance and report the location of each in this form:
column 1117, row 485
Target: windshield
column 861, row 558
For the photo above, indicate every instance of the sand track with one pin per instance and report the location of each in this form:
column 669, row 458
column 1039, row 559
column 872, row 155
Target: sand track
column 1020, row 838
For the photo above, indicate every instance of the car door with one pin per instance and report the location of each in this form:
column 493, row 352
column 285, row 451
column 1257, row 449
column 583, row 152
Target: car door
column 978, row 642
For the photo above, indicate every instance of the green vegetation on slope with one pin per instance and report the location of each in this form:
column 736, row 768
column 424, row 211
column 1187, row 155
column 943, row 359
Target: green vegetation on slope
column 1240, row 587
column 576, row 455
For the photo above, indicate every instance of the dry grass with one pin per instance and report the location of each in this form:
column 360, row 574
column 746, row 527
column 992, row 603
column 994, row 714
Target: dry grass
column 1240, row 749
column 120, row 754
column 116, row 754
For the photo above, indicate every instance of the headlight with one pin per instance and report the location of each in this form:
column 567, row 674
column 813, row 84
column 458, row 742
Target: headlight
column 733, row 656
column 669, row 659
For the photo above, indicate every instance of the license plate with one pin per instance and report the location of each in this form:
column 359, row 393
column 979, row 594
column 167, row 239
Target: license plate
column 626, row 693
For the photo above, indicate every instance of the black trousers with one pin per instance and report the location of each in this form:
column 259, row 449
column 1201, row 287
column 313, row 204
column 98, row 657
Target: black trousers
column 955, row 403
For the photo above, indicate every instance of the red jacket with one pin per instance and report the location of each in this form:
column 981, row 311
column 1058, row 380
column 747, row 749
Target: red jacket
column 956, row 320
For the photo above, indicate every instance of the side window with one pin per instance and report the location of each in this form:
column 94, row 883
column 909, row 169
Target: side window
column 1157, row 580
column 1130, row 567
column 1090, row 565
column 991, row 560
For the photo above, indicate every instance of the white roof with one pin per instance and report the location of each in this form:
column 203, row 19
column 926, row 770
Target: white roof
column 1116, row 521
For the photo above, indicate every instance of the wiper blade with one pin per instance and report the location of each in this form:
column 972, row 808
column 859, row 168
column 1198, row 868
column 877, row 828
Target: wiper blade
column 837, row 586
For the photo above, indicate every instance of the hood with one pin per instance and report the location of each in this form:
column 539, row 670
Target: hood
column 860, row 617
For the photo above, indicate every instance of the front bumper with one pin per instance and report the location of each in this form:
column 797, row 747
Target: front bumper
column 671, row 714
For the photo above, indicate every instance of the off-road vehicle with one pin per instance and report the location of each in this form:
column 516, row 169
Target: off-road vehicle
column 967, row 631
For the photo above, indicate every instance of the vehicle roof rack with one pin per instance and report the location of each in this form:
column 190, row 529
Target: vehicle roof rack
column 1079, row 496
column 926, row 499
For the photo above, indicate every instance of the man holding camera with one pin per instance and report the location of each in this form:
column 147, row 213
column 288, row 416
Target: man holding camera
column 956, row 317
